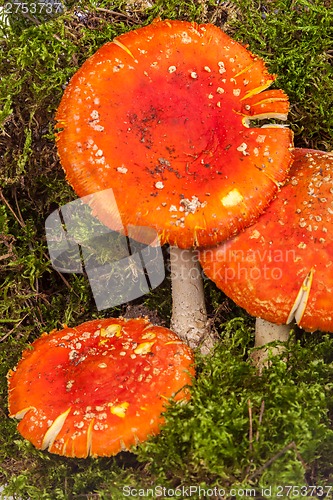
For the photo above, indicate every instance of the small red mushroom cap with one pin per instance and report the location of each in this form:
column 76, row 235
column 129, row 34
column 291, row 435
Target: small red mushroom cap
column 281, row 268
column 98, row 388
column 162, row 116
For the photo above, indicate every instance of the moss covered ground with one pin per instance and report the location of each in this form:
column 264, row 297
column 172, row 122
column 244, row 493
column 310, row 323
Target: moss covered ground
column 239, row 433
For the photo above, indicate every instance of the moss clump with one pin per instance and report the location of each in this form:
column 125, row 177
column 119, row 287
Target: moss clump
column 238, row 430
column 295, row 38
column 241, row 429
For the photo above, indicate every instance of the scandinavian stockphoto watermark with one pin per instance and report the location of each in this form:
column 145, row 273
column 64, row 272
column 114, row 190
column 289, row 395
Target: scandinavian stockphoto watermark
column 119, row 268
column 250, row 265
column 198, row 492
column 241, row 265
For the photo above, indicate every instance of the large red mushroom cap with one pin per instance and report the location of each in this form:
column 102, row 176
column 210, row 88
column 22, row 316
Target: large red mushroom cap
column 98, row 388
column 162, row 116
column 281, row 268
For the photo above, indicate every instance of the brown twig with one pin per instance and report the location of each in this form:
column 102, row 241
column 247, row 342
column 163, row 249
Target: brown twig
column 11, row 331
column 261, row 414
column 114, row 13
column 5, row 256
column 18, row 209
column 250, row 425
column 290, row 446
column 10, row 208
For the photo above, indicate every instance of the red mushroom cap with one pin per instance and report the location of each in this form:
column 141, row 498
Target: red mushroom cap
column 98, row 388
column 281, row 268
column 162, row 116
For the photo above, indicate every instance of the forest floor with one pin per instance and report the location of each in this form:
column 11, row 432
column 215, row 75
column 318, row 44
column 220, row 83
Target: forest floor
column 240, row 434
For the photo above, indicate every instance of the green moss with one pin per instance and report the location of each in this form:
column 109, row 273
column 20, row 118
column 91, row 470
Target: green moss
column 295, row 39
column 238, row 430
column 236, row 424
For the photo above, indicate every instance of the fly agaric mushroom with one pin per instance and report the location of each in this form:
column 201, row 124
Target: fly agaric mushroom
column 162, row 116
column 98, row 388
column 281, row 268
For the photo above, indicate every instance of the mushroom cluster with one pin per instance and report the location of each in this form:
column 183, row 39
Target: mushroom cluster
column 98, row 388
column 162, row 116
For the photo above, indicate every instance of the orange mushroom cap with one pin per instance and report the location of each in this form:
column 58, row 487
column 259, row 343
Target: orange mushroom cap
column 162, row 116
column 281, row 268
column 98, row 388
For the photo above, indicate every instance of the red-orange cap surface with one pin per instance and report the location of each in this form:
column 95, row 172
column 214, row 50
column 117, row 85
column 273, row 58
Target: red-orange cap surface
column 162, row 116
column 281, row 268
column 98, row 388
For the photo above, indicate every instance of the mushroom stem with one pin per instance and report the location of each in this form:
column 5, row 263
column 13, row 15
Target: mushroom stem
column 189, row 315
column 266, row 332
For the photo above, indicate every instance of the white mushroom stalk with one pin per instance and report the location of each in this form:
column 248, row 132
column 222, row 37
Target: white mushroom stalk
column 189, row 314
column 267, row 332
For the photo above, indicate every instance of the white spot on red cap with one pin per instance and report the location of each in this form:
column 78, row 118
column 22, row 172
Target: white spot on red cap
column 221, row 67
column 243, row 148
column 122, row 170
column 232, row 199
column 186, row 38
column 260, row 139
